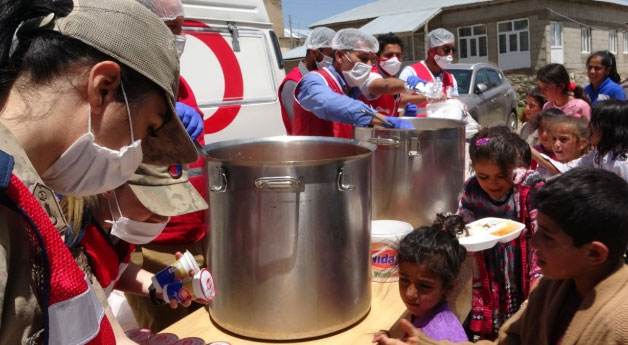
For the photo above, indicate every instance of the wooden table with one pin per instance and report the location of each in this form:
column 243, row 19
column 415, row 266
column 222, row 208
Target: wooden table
column 386, row 311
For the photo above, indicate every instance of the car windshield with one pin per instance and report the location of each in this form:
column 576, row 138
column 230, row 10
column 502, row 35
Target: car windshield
column 463, row 78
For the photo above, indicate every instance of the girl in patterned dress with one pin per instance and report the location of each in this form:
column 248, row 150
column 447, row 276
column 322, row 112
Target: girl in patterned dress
column 503, row 274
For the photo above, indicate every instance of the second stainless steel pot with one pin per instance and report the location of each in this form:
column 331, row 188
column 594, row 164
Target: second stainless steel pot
column 416, row 173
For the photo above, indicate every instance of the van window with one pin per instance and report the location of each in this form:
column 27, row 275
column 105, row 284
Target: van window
column 220, row 76
column 278, row 54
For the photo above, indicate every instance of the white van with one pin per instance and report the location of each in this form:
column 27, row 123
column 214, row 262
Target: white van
column 233, row 64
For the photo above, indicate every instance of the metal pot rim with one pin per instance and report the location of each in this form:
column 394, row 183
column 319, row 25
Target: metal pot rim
column 283, row 139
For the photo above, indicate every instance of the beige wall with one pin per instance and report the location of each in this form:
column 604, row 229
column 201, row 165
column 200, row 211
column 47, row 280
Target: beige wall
column 273, row 7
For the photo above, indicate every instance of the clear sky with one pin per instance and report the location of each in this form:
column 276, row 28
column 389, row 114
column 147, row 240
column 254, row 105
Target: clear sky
column 306, row 12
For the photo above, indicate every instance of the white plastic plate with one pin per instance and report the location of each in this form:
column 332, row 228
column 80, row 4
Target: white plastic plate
column 487, row 233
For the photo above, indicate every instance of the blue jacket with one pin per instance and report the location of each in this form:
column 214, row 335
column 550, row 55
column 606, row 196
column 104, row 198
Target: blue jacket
column 607, row 90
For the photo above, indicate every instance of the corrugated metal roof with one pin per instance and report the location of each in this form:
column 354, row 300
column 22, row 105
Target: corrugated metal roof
column 296, row 53
column 404, row 22
column 398, row 7
column 389, row 7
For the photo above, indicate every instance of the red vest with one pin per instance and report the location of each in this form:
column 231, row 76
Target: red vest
column 424, row 73
column 106, row 260
column 305, row 122
column 295, row 76
column 74, row 314
column 385, row 104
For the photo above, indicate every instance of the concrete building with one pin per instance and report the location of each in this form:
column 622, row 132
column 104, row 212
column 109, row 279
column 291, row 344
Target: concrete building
column 519, row 36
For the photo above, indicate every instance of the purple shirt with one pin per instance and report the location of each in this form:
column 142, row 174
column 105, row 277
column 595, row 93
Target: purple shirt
column 441, row 324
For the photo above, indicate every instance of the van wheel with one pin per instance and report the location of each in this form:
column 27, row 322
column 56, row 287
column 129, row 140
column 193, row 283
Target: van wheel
column 512, row 121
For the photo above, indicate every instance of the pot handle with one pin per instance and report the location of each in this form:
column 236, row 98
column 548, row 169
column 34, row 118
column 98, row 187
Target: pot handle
column 415, row 147
column 223, row 187
column 341, row 186
column 279, row 183
column 384, row 142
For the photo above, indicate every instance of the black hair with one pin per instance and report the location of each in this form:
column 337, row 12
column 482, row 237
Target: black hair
column 589, row 205
column 538, row 97
column 492, row 144
column 608, row 59
column 436, row 246
column 42, row 55
column 524, row 153
column 389, row 38
column 557, row 74
column 611, row 118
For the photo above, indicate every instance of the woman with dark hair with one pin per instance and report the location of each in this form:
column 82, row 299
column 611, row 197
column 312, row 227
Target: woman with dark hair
column 86, row 86
column 561, row 93
column 602, row 73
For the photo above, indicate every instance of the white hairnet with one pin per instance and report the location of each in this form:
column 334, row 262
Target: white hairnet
column 354, row 39
column 319, row 38
column 164, row 9
column 439, row 37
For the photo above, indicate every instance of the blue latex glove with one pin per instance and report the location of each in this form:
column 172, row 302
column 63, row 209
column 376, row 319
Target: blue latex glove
column 399, row 123
column 413, row 80
column 411, row 110
column 191, row 119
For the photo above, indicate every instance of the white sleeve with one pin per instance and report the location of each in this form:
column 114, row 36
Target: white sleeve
column 406, row 72
column 364, row 89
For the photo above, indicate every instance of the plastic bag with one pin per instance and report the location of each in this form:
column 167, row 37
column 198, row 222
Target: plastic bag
column 431, row 90
column 453, row 109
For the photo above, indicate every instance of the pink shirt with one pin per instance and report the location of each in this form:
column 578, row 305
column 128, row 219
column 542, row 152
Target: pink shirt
column 574, row 107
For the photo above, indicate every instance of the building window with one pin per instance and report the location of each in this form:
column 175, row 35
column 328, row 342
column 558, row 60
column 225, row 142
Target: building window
column 625, row 42
column 472, row 42
column 556, row 34
column 513, row 36
column 612, row 41
column 585, row 36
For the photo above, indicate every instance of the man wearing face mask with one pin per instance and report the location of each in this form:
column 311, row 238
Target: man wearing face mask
column 330, row 95
column 387, row 65
column 318, row 55
column 439, row 56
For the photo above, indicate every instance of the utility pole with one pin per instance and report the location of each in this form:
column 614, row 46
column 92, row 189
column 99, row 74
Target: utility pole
column 290, row 23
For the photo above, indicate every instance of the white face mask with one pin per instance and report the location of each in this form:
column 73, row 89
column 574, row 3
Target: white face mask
column 179, row 41
column 87, row 168
column 326, row 62
column 132, row 231
column 390, row 66
column 358, row 75
column 443, row 61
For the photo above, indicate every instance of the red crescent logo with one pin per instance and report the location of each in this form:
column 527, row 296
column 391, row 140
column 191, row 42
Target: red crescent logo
column 234, row 86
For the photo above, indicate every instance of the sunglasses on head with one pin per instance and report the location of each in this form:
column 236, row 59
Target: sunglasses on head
column 448, row 49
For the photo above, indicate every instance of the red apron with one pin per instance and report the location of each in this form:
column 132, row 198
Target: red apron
column 424, row 73
column 295, row 76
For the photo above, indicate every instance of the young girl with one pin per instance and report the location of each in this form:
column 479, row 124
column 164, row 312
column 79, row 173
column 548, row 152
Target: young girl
column 534, row 104
column 570, row 137
column 505, row 272
column 602, row 73
column 429, row 260
column 609, row 135
column 555, row 86
column 543, row 122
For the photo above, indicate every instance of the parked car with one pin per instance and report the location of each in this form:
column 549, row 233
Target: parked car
column 488, row 94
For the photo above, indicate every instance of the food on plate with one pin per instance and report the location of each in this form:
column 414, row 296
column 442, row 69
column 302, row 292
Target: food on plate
column 492, row 226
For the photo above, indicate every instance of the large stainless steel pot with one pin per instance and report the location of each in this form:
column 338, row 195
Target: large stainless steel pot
column 416, row 173
column 290, row 231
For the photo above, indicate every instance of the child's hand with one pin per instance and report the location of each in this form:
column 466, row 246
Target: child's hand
column 381, row 338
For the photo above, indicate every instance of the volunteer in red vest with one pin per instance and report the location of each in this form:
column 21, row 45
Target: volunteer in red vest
column 330, row 94
column 318, row 55
column 111, row 225
column 440, row 53
column 386, row 65
column 82, row 100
